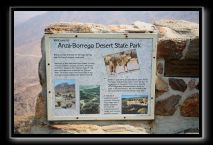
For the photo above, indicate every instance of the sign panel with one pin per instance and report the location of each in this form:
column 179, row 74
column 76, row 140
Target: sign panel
column 100, row 76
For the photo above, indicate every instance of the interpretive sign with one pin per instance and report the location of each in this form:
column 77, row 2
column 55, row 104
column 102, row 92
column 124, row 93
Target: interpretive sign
column 100, row 76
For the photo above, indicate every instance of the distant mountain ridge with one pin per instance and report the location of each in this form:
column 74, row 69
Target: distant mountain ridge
column 64, row 88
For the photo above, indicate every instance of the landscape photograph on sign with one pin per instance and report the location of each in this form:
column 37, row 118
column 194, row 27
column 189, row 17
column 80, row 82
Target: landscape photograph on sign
column 89, row 99
column 121, row 62
column 65, row 94
column 134, row 104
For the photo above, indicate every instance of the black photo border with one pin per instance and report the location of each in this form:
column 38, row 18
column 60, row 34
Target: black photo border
column 98, row 137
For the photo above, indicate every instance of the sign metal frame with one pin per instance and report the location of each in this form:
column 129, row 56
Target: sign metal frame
column 124, row 36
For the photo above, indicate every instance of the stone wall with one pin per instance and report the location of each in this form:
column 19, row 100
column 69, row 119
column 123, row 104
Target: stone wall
column 177, row 97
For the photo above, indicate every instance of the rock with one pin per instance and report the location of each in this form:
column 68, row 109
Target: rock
column 160, row 68
column 161, row 86
column 122, row 28
column 184, row 28
column 158, row 93
column 94, row 129
column 182, row 68
column 168, row 33
column 42, row 66
column 192, row 49
column 73, row 27
column 178, row 39
column 78, row 128
column 41, row 102
column 167, row 107
column 23, row 123
column 146, row 27
column 136, row 27
column 171, row 49
column 191, row 84
column 41, row 113
column 178, row 48
column 177, row 84
column 120, row 129
column 190, row 107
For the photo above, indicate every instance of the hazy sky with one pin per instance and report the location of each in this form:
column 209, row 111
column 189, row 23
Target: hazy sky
column 22, row 16
column 64, row 81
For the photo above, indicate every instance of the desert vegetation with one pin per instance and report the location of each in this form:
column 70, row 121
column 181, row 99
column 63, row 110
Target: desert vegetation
column 64, row 95
column 89, row 99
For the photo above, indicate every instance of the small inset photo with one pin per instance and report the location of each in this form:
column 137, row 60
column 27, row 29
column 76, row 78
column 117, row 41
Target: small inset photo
column 65, row 94
column 89, row 99
column 122, row 62
column 134, row 104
